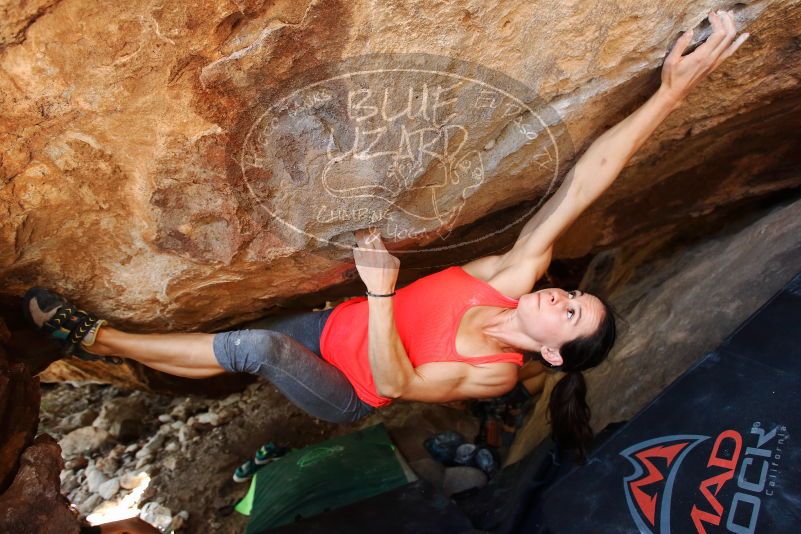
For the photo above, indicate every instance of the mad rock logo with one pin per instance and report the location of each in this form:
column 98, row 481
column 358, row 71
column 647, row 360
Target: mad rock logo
column 649, row 489
column 695, row 483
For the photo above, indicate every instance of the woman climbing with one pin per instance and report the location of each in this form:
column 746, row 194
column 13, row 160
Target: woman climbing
column 456, row 334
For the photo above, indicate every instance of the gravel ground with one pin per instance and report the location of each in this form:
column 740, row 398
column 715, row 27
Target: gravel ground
column 114, row 440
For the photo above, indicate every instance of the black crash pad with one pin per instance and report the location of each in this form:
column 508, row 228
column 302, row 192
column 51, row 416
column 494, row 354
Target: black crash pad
column 718, row 451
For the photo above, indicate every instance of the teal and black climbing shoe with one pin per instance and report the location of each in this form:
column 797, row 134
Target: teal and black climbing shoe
column 73, row 328
column 269, row 452
column 266, row 454
column 246, row 471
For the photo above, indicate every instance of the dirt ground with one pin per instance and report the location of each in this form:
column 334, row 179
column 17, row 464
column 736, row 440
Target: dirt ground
column 190, row 446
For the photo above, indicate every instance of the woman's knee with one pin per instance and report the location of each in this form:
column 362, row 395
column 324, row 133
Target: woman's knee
column 341, row 418
column 246, row 351
column 354, row 412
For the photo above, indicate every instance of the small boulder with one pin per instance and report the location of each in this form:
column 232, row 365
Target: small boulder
column 77, row 420
column 109, row 488
column 79, row 462
column 90, row 504
column 170, row 462
column 152, row 446
column 207, row 418
column 179, row 520
column 108, row 465
column 122, row 417
column 429, row 469
column 157, row 515
column 130, row 481
column 83, row 441
column 94, row 478
column 69, row 481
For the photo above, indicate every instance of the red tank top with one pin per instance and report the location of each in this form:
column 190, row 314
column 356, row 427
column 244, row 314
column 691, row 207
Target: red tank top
column 427, row 315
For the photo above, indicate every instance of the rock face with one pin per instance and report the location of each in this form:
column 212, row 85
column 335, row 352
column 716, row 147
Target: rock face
column 154, row 169
column 19, row 406
column 188, row 167
column 30, row 500
column 33, row 502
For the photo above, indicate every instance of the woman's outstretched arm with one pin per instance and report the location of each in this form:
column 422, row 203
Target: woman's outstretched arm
column 602, row 162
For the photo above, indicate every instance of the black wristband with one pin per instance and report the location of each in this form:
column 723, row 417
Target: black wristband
column 369, row 294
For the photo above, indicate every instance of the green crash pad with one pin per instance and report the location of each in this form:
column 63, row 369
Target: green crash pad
column 323, row 476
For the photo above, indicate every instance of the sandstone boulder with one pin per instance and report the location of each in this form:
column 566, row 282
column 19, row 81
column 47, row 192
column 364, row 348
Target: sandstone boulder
column 169, row 168
column 30, row 499
column 19, row 406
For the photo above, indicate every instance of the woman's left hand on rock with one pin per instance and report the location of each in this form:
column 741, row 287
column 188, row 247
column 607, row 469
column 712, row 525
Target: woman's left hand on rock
column 377, row 268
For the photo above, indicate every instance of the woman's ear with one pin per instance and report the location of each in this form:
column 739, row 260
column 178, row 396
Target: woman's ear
column 551, row 356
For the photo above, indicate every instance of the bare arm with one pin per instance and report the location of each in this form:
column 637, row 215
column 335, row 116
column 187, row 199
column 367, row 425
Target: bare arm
column 516, row 272
column 390, row 364
column 378, row 269
column 603, row 161
column 592, row 174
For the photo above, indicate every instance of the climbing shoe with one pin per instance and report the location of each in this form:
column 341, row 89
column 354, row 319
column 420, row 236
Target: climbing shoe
column 267, row 453
column 246, row 471
column 73, row 328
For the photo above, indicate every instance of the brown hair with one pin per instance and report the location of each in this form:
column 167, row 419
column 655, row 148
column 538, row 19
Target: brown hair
column 568, row 411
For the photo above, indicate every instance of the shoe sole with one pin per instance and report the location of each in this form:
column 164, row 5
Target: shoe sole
column 238, row 479
column 56, row 301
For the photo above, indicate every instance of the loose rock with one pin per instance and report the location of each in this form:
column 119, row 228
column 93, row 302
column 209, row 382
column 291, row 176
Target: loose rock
column 94, row 478
column 83, row 440
column 131, row 480
column 87, row 506
column 157, row 515
column 109, row 488
column 77, row 420
column 122, row 417
column 152, row 446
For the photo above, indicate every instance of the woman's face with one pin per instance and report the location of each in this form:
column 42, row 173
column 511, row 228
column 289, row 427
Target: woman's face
column 553, row 316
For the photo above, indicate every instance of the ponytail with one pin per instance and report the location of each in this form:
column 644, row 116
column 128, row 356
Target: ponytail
column 569, row 414
column 568, row 411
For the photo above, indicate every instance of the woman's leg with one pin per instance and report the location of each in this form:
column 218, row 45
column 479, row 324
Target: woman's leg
column 307, row 380
column 305, row 327
column 192, row 355
column 188, row 355
column 302, row 376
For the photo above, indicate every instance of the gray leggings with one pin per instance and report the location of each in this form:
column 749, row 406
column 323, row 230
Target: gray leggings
column 286, row 351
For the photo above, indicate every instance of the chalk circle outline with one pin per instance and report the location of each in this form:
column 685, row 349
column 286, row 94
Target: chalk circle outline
column 292, row 90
